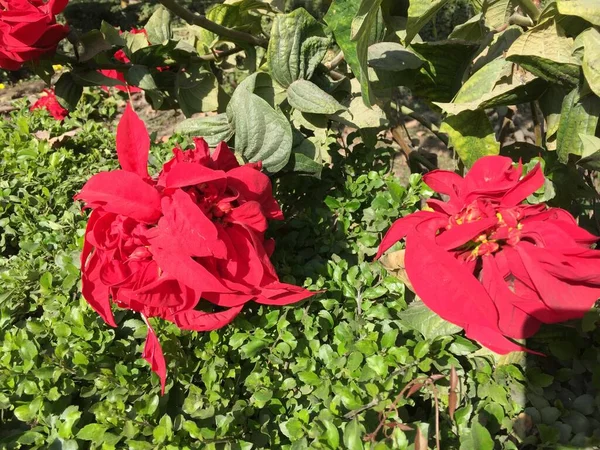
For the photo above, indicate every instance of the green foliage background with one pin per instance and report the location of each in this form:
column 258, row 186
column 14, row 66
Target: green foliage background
column 313, row 375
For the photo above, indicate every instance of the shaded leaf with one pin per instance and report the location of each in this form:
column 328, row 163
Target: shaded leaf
column 591, row 58
column 392, row 56
column 419, row 13
column 422, row 319
column 578, row 116
column 197, row 90
column 213, row 129
column 158, row 27
column 586, row 9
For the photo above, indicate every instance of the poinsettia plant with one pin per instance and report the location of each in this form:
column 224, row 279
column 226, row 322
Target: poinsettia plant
column 488, row 261
column 169, row 246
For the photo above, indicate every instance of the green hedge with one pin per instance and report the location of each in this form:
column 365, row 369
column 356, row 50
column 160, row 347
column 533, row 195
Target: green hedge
column 313, row 375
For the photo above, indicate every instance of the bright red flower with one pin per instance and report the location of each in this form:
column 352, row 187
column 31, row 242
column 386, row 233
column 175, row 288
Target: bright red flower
column 28, row 30
column 159, row 245
column 492, row 264
column 117, row 75
column 50, row 103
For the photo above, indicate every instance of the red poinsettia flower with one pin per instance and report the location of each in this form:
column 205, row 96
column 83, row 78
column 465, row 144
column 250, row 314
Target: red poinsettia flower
column 49, row 102
column 159, row 245
column 488, row 262
column 28, row 30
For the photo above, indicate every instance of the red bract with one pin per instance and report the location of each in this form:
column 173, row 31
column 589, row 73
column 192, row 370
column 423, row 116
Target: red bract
column 159, row 245
column 28, row 30
column 50, row 103
column 493, row 265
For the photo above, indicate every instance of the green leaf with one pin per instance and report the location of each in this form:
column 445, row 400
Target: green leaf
column 111, row 34
column 307, row 97
column 499, row 82
column 481, row 437
column 332, row 434
column 497, row 12
column 93, row 78
column 546, row 54
column 213, row 129
column 591, row 58
column 471, row 135
column 134, row 42
column 422, row 319
column 197, row 90
column 67, row 91
column 261, row 133
column 586, row 9
column 392, row 56
column 92, row 43
column 473, row 29
column 297, row 45
column 590, row 156
column 578, row 116
column 419, row 13
column 440, row 78
column 340, row 18
column 92, row 432
column 353, row 435
column 141, row 77
column 292, row 428
column 301, row 163
column 158, row 26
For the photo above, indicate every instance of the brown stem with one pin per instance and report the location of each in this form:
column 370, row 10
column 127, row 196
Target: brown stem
column 217, row 55
column 336, row 61
column 203, row 22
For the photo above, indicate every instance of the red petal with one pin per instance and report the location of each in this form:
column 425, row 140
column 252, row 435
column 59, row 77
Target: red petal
column 446, row 286
column 527, row 186
column 197, row 234
column 204, row 321
column 570, row 299
column 184, row 268
column 188, row 174
column 224, row 158
column 154, row 355
column 513, row 321
column 249, row 214
column 280, row 294
column 133, row 143
column 444, row 182
column 122, row 192
column 95, row 292
column 401, row 227
column 461, row 234
column 252, row 184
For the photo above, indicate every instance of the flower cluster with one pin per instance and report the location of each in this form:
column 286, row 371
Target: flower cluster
column 49, row 102
column 28, row 30
column 158, row 245
column 492, row 264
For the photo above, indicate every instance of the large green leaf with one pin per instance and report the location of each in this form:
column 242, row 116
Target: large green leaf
column 586, row 9
column 473, row 29
column 340, row 18
column 141, row 77
column 392, row 56
column 498, row 83
column 440, row 78
column 422, row 319
column 547, row 54
column 261, row 133
column 213, row 129
column 307, row 97
column 67, row 91
column 471, row 135
column 591, row 58
column 297, row 45
column 578, row 116
column 419, row 13
column 590, row 156
column 197, row 90
column 158, row 27
column 497, row 12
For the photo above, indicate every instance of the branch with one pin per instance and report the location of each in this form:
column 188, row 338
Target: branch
column 203, row 22
column 217, row 55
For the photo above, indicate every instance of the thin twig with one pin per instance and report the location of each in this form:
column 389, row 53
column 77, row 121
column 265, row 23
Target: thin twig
column 336, row 61
column 357, row 411
column 203, row 22
column 219, row 55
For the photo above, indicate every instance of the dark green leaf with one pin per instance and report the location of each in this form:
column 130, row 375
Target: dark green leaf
column 197, row 90
column 67, row 91
column 213, row 129
column 419, row 13
column 309, row 98
column 578, row 116
column 420, row 318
